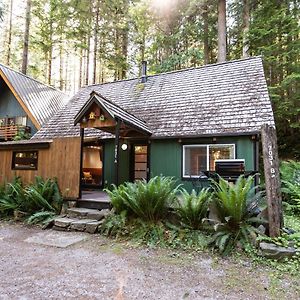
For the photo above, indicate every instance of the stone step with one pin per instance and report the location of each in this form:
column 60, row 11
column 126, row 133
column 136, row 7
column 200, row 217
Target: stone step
column 93, row 204
column 76, row 224
column 87, row 213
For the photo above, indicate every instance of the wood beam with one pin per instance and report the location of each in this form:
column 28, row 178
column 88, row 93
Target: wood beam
column 81, row 161
column 117, row 152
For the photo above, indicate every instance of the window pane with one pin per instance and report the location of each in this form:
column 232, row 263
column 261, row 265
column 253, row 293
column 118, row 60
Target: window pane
column 195, row 160
column 26, row 160
column 140, row 162
column 219, row 152
column 21, row 121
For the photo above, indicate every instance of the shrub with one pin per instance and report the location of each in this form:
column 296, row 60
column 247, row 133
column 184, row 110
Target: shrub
column 12, row 197
column 235, row 207
column 43, row 217
column 162, row 234
column 192, row 208
column 119, row 195
column 41, row 196
column 290, row 175
column 114, row 225
column 146, row 200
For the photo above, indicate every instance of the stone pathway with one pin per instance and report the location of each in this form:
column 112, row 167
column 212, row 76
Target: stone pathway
column 81, row 219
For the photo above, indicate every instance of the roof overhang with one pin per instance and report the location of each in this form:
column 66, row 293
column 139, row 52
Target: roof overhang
column 100, row 113
column 26, row 145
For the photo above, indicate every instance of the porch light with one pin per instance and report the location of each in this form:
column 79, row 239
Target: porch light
column 124, row 147
column 84, row 119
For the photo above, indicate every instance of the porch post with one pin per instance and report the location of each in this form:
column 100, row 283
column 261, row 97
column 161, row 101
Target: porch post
column 81, row 160
column 117, row 150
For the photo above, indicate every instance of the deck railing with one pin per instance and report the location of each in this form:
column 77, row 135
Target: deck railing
column 8, row 132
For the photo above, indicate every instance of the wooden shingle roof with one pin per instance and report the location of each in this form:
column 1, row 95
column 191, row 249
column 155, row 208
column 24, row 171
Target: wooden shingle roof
column 40, row 101
column 224, row 98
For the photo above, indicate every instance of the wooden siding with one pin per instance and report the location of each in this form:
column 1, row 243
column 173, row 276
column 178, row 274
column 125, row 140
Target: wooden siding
column 61, row 160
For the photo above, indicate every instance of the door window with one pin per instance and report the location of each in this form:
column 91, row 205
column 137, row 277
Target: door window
column 140, row 162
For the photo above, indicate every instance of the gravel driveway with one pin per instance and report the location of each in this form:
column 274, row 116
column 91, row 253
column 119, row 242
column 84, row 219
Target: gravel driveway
column 99, row 268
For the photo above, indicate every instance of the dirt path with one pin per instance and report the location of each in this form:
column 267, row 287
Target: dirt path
column 98, row 268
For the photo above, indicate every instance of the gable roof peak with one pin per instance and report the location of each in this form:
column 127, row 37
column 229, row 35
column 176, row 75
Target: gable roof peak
column 33, row 79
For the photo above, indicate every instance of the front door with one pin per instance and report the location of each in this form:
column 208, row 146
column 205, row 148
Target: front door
column 92, row 165
column 140, row 167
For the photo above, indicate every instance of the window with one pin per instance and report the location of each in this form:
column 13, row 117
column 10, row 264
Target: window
column 25, row 160
column 21, row 121
column 197, row 158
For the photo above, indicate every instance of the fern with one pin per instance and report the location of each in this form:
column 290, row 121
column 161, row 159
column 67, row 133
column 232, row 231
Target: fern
column 43, row 217
column 290, row 174
column 236, row 206
column 146, row 200
column 192, row 208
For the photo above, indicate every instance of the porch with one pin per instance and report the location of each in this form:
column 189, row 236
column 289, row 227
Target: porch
column 102, row 114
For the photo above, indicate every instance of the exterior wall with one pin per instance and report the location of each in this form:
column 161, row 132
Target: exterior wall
column 10, row 107
column 109, row 166
column 166, row 155
column 61, row 160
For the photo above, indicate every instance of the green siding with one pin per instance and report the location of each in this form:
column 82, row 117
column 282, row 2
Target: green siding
column 109, row 169
column 109, row 166
column 165, row 157
column 10, row 107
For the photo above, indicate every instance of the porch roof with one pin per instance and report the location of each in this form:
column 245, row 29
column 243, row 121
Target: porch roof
column 115, row 112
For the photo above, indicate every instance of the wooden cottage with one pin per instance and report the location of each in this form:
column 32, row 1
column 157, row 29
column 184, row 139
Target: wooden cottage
column 177, row 124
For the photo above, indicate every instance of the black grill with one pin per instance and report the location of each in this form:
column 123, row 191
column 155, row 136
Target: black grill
column 230, row 169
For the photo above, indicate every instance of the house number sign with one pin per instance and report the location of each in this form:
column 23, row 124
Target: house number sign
column 116, row 154
column 272, row 179
column 271, row 160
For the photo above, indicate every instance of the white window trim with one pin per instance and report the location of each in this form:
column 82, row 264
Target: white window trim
column 207, row 155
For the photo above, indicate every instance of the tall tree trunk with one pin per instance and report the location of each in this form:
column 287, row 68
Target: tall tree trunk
column 80, row 68
column 222, row 31
column 246, row 26
column 88, row 45
column 205, row 34
column 26, row 38
column 124, row 53
column 116, row 71
column 50, row 65
column 66, row 79
column 96, row 41
column 61, row 66
column 87, row 60
column 9, row 33
column 50, row 51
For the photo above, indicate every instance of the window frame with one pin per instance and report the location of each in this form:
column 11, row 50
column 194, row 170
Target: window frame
column 29, row 168
column 184, row 176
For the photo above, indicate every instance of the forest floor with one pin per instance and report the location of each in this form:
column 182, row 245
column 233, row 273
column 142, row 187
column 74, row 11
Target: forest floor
column 100, row 268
